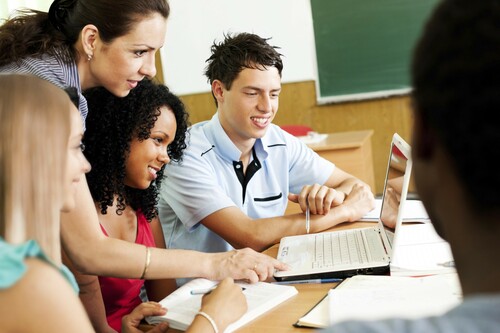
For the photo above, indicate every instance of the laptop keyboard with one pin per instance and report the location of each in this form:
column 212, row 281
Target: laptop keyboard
column 344, row 248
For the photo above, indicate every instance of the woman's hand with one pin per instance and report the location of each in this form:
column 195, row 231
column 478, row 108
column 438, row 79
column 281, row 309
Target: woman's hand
column 130, row 322
column 225, row 304
column 244, row 264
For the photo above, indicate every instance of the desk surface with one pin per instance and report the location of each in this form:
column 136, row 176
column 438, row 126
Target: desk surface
column 282, row 317
column 342, row 140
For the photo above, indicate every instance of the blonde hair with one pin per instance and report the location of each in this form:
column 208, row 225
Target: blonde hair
column 34, row 134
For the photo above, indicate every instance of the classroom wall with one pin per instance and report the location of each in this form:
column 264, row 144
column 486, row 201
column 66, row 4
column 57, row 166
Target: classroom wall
column 195, row 24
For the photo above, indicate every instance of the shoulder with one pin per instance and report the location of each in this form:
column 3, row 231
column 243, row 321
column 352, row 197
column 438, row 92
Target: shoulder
column 47, row 67
column 40, row 294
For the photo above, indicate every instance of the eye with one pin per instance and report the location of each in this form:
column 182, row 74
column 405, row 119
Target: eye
column 81, row 146
column 157, row 140
column 140, row 53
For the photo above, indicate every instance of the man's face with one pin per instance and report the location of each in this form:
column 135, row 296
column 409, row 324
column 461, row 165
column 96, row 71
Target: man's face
column 249, row 107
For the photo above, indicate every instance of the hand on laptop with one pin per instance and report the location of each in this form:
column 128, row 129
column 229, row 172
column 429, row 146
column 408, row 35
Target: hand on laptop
column 244, row 264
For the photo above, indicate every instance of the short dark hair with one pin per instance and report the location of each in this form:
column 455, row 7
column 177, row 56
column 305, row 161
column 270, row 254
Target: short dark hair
column 112, row 123
column 237, row 52
column 34, row 33
column 456, row 90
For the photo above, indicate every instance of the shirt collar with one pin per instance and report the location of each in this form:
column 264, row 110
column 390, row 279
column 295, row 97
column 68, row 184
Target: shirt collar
column 223, row 145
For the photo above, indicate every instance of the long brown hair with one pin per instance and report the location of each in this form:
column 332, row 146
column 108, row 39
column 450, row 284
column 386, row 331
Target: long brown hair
column 34, row 33
column 34, row 134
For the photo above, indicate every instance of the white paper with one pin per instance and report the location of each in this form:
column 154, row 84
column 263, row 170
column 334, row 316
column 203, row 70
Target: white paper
column 182, row 306
column 413, row 211
column 420, row 251
column 378, row 297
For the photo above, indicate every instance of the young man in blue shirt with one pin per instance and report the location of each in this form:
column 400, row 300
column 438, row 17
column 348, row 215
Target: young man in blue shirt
column 239, row 170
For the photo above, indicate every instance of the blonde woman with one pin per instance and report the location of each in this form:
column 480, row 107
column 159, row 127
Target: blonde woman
column 41, row 164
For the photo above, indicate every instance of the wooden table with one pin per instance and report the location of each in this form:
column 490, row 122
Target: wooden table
column 350, row 151
column 281, row 318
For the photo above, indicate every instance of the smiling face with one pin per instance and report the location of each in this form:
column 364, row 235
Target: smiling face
column 148, row 156
column 76, row 163
column 118, row 66
column 249, row 107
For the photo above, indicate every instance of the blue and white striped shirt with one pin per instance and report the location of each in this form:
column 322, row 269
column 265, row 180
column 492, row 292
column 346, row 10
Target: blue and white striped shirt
column 52, row 69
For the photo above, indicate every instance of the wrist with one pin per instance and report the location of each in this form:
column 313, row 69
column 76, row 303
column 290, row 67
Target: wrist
column 209, row 319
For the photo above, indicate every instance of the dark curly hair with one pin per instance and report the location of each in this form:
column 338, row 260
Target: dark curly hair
column 112, row 124
column 456, row 81
column 237, row 52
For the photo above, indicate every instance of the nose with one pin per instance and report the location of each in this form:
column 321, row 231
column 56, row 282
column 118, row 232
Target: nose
column 148, row 68
column 86, row 165
column 265, row 104
column 163, row 157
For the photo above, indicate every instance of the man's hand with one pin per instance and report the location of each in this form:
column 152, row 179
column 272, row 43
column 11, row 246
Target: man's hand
column 320, row 198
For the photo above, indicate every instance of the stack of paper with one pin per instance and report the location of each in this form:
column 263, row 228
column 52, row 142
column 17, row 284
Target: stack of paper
column 182, row 306
column 373, row 297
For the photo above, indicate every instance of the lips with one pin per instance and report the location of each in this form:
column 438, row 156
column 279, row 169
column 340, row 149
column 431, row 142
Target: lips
column 132, row 84
column 153, row 172
column 261, row 122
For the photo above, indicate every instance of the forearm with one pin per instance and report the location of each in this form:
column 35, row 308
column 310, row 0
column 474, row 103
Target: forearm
column 91, row 252
column 91, row 298
column 260, row 234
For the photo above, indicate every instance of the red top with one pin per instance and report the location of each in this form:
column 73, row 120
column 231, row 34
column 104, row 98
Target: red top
column 121, row 296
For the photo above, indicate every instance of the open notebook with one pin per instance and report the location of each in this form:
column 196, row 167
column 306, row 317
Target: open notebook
column 344, row 253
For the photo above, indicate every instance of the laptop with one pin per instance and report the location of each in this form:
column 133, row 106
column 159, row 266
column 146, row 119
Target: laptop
column 344, row 253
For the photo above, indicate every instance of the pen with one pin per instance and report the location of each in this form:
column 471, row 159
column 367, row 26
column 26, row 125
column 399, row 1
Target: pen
column 308, row 221
column 308, row 281
column 205, row 290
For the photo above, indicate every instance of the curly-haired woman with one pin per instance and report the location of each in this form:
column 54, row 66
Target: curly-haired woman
column 128, row 142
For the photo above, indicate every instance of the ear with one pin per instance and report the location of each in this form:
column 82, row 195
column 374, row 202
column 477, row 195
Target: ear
column 218, row 90
column 89, row 35
column 423, row 138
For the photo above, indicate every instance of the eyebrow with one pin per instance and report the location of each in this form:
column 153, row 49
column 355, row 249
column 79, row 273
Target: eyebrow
column 260, row 89
column 161, row 132
column 147, row 46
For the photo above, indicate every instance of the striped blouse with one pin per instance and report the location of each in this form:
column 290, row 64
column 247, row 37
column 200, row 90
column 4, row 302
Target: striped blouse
column 52, row 69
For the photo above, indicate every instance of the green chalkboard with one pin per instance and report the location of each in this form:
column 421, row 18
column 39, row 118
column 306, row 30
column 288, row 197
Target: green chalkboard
column 364, row 47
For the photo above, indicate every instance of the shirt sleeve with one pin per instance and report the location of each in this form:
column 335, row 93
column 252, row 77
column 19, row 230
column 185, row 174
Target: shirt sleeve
column 306, row 167
column 192, row 191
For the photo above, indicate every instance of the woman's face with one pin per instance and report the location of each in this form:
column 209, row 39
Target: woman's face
column 121, row 64
column 148, row 156
column 76, row 163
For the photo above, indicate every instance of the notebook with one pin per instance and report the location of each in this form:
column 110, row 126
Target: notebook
column 345, row 253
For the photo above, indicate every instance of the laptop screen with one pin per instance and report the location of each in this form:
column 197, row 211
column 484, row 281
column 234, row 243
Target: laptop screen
column 396, row 186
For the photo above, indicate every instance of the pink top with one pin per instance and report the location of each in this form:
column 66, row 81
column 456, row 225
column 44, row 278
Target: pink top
column 121, row 296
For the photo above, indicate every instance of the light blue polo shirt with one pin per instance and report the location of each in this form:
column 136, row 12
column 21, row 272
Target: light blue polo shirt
column 209, row 179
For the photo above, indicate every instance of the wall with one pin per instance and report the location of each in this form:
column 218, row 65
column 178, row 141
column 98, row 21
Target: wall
column 194, row 25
